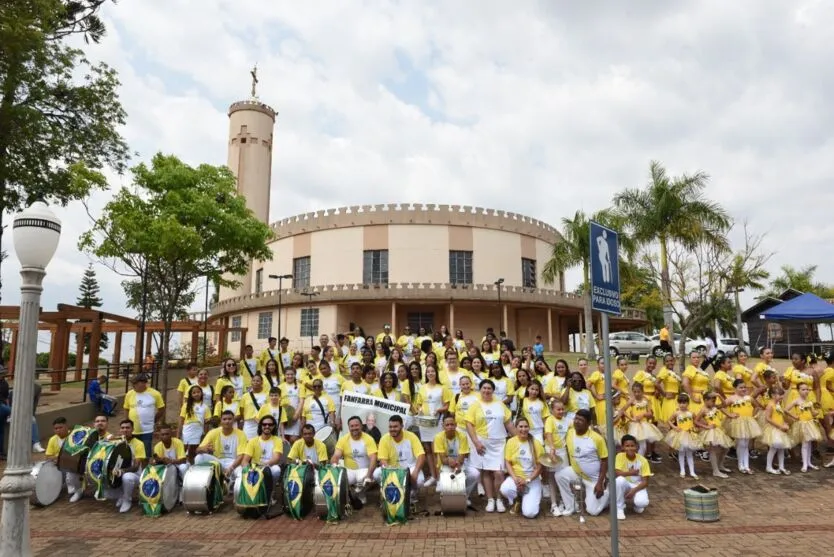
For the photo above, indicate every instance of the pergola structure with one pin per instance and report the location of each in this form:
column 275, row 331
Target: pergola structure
column 75, row 320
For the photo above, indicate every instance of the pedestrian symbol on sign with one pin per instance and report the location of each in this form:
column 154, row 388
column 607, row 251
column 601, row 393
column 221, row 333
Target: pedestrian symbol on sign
column 604, row 255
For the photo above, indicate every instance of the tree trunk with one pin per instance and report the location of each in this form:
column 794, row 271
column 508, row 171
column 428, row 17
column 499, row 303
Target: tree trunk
column 590, row 347
column 163, row 368
column 739, row 324
column 666, row 286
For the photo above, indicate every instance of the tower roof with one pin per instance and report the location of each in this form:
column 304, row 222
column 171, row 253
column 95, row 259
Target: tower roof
column 254, row 105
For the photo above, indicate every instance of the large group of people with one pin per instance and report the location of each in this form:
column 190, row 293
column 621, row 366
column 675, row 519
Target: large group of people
column 517, row 429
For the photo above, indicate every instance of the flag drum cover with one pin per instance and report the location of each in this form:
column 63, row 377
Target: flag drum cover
column 395, row 495
column 104, row 459
column 48, row 483
column 158, row 489
column 203, row 488
column 76, row 449
column 331, row 494
column 299, row 490
column 253, row 491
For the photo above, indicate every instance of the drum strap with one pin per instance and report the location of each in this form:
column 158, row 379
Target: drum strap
column 246, row 365
column 321, row 407
column 254, row 400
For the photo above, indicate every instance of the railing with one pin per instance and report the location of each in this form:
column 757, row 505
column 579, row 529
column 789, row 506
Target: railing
column 55, row 379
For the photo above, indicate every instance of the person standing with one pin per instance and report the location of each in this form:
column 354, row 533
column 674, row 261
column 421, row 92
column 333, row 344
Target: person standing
column 145, row 407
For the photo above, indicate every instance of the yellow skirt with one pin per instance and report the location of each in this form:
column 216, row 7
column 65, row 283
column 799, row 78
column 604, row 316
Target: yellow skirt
column 806, row 431
column 667, row 409
column 644, row 431
column 683, row 440
column 776, row 438
column 826, row 400
column 657, row 409
column 716, row 437
column 743, row 427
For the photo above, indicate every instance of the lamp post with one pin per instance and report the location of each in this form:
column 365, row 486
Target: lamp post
column 36, row 232
column 310, row 295
column 498, row 284
column 739, row 324
column 280, row 292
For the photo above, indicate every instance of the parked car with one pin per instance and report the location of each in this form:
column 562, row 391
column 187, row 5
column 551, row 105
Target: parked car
column 629, row 342
column 690, row 345
column 731, row 346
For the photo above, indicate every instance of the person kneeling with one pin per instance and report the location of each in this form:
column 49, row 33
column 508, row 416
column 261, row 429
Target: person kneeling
column 400, row 448
column 265, row 449
column 633, row 472
column 588, row 456
column 522, row 457
column 452, row 449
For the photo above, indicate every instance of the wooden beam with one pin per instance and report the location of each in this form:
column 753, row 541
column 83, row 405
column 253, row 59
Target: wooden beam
column 95, row 340
column 79, row 355
column 12, row 356
column 195, row 342
column 117, row 351
column 242, row 345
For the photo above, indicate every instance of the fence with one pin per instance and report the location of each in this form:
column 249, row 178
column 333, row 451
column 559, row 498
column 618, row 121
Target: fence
column 46, row 377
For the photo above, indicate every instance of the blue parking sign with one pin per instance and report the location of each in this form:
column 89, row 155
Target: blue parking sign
column 605, row 269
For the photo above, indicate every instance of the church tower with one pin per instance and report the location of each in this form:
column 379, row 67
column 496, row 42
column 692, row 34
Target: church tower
column 251, row 124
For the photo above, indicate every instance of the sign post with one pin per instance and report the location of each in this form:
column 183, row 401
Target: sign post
column 605, row 298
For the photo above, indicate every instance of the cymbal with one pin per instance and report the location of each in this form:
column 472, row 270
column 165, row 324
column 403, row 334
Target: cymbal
column 550, row 462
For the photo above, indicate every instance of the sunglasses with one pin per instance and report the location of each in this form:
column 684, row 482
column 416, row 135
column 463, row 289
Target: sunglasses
column 231, row 365
column 317, row 386
column 267, row 424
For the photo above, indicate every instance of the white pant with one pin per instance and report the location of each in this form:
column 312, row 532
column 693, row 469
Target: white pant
column 421, row 479
column 472, row 475
column 593, row 506
column 73, row 482
column 182, row 469
column 530, row 501
column 356, row 477
column 204, row 458
column 641, row 498
column 129, row 482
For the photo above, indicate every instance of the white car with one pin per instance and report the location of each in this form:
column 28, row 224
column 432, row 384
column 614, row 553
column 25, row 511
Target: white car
column 690, row 345
column 731, row 346
column 629, row 342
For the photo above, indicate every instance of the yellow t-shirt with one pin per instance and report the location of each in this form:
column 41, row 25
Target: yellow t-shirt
column 261, row 451
column 221, row 406
column 407, row 450
column 578, row 400
column 276, row 412
column 200, row 414
column 429, row 397
column 137, row 448
column 312, row 409
column 53, row 447
column 585, row 452
column 360, row 388
column 225, row 446
column 300, row 451
column 639, row 467
column 185, row 384
column 670, row 380
column 248, row 407
column 523, row 456
column 357, row 452
column 175, row 452
column 460, row 406
column 453, row 448
column 558, row 430
column 141, row 409
column 489, row 418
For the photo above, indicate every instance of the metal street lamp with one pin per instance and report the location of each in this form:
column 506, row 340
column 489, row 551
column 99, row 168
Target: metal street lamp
column 498, row 284
column 280, row 292
column 310, row 295
column 36, row 232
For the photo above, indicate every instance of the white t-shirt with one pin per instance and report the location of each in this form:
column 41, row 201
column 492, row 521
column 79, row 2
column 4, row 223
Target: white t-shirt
column 146, row 410
column 359, row 452
column 494, row 416
column 267, row 450
column 405, row 456
column 586, row 456
column 229, row 446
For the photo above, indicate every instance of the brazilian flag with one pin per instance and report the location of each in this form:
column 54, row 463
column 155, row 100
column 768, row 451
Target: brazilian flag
column 394, row 490
column 252, row 489
column 329, row 477
column 97, row 468
column 294, row 489
column 77, row 440
column 150, row 490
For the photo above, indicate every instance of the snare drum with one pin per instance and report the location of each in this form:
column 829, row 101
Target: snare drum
column 299, row 490
column 158, row 489
column 253, row 491
column 105, row 458
column 395, row 495
column 327, row 435
column 287, row 448
column 203, row 488
column 331, row 493
column 76, row 448
column 452, row 490
column 48, row 483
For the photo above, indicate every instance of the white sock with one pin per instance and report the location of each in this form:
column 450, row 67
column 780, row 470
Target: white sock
column 780, row 454
column 690, row 458
column 641, row 450
column 771, row 452
column 682, row 460
column 806, row 454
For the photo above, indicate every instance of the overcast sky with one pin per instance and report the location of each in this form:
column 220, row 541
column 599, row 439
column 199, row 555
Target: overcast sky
column 536, row 109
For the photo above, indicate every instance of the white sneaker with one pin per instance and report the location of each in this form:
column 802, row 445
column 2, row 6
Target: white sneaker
column 119, row 502
column 429, row 482
column 37, row 448
column 490, row 508
column 125, row 506
column 620, row 514
column 555, row 510
column 499, row 505
column 639, row 510
column 481, row 491
column 76, row 497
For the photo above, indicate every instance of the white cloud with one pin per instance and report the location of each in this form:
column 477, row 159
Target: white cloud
column 541, row 108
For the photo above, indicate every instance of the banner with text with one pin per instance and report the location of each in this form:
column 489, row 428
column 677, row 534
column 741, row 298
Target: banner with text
column 379, row 410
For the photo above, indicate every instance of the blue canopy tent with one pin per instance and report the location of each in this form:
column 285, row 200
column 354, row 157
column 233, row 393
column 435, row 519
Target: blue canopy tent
column 807, row 309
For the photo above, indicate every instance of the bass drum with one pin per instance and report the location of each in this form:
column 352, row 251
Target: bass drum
column 49, row 482
column 254, row 493
column 202, row 488
column 452, row 490
column 331, row 495
column 299, row 490
column 158, row 489
column 327, row 435
column 395, row 495
column 76, row 448
column 105, row 458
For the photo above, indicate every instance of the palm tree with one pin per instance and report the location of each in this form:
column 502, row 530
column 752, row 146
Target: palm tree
column 575, row 249
column 744, row 273
column 801, row 280
column 673, row 209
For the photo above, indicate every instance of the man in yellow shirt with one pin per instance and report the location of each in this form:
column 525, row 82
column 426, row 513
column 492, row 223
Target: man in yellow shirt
column 265, row 449
column 130, row 474
column 359, row 452
column 402, row 449
column 170, row 450
column 308, row 449
column 407, row 340
column 224, row 444
column 53, row 449
column 665, row 343
column 270, row 353
column 588, row 456
column 633, row 473
column 386, row 332
column 145, row 407
column 452, row 449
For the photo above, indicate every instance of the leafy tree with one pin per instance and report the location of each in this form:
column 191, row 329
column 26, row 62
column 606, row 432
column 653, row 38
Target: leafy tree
column 746, row 271
column 575, row 249
column 88, row 297
column 177, row 225
column 673, row 209
column 638, row 289
column 799, row 279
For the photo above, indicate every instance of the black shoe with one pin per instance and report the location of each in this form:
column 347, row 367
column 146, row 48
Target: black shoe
column 704, row 456
column 754, row 453
column 655, row 458
column 731, row 454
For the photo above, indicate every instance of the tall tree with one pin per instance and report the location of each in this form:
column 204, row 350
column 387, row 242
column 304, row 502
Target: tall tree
column 176, row 225
column 673, row 209
column 88, row 297
column 746, row 271
column 59, row 114
column 801, row 279
column 574, row 249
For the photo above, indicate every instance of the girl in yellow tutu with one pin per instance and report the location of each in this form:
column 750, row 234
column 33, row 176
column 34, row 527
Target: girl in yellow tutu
column 682, row 436
column 638, row 415
column 742, row 426
column 805, row 429
column 710, row 421
column 776, row 432
column 825, row 393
